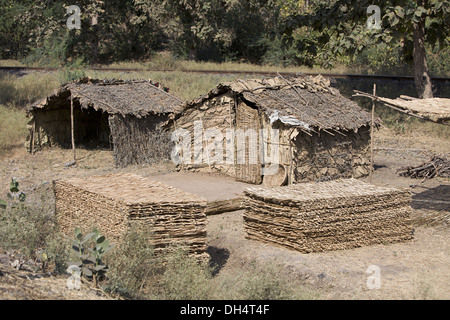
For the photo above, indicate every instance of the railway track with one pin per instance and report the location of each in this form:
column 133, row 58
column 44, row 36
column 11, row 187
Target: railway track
column 268, row 73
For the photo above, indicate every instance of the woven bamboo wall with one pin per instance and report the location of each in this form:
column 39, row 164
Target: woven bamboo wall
column 114, row 203
column 332, row 215
column 248, row 120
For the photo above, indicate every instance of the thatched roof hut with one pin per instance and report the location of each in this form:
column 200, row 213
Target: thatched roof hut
column 322, row 135
column 124, row 115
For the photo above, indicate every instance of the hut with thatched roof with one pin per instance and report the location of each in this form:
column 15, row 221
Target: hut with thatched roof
column 126, row 116
column 303, row 126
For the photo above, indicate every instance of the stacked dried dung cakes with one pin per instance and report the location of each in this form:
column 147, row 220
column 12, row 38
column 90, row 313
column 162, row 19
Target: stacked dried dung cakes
column 332, row 215
column 113, row 203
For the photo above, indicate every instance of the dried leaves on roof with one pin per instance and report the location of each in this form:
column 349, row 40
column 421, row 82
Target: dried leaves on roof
column 309, row 102
column 133, row 97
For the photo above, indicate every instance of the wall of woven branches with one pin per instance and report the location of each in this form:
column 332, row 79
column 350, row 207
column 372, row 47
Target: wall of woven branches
column 139, row 140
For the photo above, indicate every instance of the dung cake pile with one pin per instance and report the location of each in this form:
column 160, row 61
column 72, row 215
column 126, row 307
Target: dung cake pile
column 113, row 203
column 332, row 215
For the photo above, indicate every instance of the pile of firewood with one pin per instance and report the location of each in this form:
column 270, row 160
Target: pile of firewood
column 437, row 166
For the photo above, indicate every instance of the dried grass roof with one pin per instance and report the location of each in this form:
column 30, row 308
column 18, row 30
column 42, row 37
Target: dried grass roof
column 307, row 102
column 125, row 97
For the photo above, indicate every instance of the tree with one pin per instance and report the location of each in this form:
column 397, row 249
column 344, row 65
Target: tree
column 343, row 26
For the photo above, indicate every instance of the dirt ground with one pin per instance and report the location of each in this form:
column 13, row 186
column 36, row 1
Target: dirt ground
column 418, row 269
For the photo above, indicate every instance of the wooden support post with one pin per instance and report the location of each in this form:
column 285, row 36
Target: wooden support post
column 33, row 129
column 291, row 158
column 72, row 129
column 371, row 133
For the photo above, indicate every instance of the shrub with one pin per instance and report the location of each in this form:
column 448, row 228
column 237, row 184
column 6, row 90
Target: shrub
column 26, row 227
column 132, row 266
column 258, row 281
column 185, row 278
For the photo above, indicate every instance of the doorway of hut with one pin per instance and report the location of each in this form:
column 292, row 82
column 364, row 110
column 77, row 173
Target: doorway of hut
column 91, row 128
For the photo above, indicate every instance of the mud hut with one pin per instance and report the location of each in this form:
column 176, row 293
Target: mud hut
column 302, row 127
column 123, row 115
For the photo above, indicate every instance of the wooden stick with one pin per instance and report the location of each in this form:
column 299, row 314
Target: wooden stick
column 33, row 128
column 371, row 133
column 164, row 92
column 390, row 105
column 291, row 160
column 72, row 128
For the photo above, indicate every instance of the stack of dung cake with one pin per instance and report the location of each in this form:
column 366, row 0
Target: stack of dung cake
column 332, row 215
column 116, row 202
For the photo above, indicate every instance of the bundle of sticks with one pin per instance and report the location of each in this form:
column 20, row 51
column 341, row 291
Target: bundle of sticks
column 436, row 166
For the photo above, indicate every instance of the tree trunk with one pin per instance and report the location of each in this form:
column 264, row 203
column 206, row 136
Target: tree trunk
column 421, row 76
column 94, row 39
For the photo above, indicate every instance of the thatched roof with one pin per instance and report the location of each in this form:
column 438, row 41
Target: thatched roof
column 306, row 102
column 125, row 97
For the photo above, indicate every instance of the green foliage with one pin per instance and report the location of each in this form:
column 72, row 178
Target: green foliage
column 14, row 192
column 72, row 71
column 315, row 33
column 14, row 195
column 404, row 24
column 27, row 227
column 89, row 250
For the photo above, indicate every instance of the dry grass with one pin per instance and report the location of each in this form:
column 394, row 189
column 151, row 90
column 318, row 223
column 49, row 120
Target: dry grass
column 186, row 86
column 136, row 273
column 167, row 62
column 21, row 91
column 10, row 63
column 13, row 128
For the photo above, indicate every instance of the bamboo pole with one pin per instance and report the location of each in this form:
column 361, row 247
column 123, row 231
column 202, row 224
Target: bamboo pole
column 33, row 129
column 371, row 133
column 72, row 129
column 396, row 107
column 291, row 158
